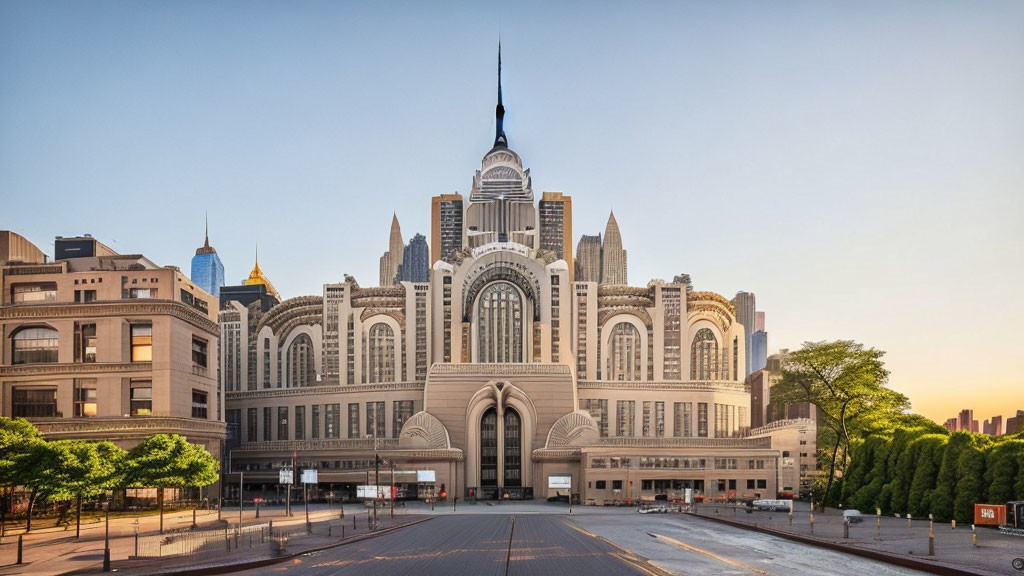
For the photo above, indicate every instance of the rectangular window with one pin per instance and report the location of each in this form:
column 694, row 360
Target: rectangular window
column 34, row 346
column 268, row 416
column 401, row 411
column 375, row 419
column 199, row 404
column 762, row 483
column 616, row 484
column 702, row 419
column 199, row 351
column 300, row 422
column 282, row 422
column 85, row 343
column 233, row 419
column 659, row 419
column 332, row 421
column 251, row 425
column 142, row 342
column 600, row 484
column 599, row 412
column 142, row 292
column 316, row 422
column 85, row 397
column 626, row 414
column 142, row 398
column 34, row 293
column 353, row 420
column 34, row 403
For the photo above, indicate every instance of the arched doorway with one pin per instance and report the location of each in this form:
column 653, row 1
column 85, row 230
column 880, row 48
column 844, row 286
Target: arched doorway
column 489, row 449
column 513, row 434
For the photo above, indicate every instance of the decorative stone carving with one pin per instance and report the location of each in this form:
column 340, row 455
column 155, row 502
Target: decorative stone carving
column 670, row 386
column 74, row 368
column 481, row 369
column 424, row 431
column 147, row 307
column 574, row 429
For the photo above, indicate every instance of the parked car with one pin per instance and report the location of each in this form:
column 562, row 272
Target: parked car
column 852, row 516
column 650, row 509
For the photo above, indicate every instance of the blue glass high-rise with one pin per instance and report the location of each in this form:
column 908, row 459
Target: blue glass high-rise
column 207, row 269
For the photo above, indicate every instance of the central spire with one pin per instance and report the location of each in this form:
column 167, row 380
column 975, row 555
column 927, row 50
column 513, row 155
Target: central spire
column 499, row 111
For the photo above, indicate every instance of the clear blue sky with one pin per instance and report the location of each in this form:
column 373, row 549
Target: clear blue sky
column 857, row 165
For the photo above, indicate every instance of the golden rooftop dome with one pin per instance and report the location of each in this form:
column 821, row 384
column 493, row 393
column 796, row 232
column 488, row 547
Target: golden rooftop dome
column 257, row 277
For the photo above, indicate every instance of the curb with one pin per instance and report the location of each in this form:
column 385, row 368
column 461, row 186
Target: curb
column 228, row 568
column 886, row 557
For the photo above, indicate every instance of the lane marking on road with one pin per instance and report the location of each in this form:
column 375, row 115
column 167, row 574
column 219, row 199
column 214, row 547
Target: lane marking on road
column 707, row 553
column 625, row 555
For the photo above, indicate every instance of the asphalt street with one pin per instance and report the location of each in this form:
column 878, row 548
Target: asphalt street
column 473, row 545
column 686, row 545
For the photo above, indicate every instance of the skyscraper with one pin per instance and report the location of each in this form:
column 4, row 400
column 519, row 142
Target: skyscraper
column 415, row 266
column 392, row 259
column 207, row 269
column 993, row 427
column 445, row 226
column 1014, row 424
column 613, row 257
column 588, row 259
column 966, row 421
column 745, row 305
column 555, row 211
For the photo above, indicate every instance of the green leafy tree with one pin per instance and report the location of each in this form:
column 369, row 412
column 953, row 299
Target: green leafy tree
column 948, row 477
column 1002, row 464
column 970, row 488
column 926, row 469
column 17, row 439
column 85, row 469
column 170, row 461
column 36, row 472
column 866, row 496
column 847, row 384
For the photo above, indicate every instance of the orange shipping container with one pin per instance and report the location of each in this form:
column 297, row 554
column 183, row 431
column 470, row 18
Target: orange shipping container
column 989, row 514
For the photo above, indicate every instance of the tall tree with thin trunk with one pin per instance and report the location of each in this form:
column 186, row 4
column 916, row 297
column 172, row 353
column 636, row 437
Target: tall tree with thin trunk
column 847, row 384
column 18, row 438
column 169, row 461
column 85, row 469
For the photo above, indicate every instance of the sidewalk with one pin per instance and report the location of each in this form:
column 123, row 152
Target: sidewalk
column 886, row 538
column 53, row 551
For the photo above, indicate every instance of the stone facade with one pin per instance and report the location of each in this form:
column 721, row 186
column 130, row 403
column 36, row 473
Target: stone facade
column 110, row 347
column 501, row 374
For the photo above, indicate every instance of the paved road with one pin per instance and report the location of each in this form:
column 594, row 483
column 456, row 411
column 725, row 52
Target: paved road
column 686, row 545
column 473, row 545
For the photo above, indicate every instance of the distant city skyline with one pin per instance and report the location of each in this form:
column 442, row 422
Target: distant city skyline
column 855, row 167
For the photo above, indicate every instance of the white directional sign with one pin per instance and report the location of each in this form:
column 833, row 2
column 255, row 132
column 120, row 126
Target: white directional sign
column 425, row 476
column 285, row 476
column 560, row 482
column 309, row 476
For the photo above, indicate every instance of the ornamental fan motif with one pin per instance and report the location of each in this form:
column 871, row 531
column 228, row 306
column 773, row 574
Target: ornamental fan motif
column 502, row 173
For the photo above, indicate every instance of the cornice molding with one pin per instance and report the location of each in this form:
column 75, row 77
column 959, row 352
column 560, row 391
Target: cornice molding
column 116, row 427
column 481, row 369
column 325, row 390
column 139, row 307
column 673, row 386
column 57, row 369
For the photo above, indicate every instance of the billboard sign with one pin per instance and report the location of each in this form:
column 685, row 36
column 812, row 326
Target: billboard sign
column 560, row 482
column 425, row 476
column 371, row 492
column 284, row 476
column 309, row 476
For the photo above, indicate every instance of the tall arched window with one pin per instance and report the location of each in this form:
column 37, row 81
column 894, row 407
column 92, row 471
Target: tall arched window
column 624, row 353
column 381, row 353
column 704, row 356
column 513, row 448
column 302, row 369
column 500, row 324
column 35, row 345
column 489, row 448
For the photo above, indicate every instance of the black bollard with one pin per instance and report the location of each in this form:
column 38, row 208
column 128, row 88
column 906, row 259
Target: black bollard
column 20, row 536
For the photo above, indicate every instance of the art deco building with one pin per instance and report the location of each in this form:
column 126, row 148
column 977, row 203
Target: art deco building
column 613, row 257
column 207, row 269
column 100, row 345
column 500, row 374
column 588, row 259
column 391, row 261
column 415, row 266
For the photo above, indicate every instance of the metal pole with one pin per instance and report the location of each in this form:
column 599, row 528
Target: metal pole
column 392, row 490
column 455, row 488
column 376, row 481
column 106, row 541
column 136, row 537
column 20, row 537
column 241, row 492
column 305, row 501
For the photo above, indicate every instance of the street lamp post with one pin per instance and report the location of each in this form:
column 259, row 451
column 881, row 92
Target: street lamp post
column 376, row 480
column 106, row 538
column 392, row 489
